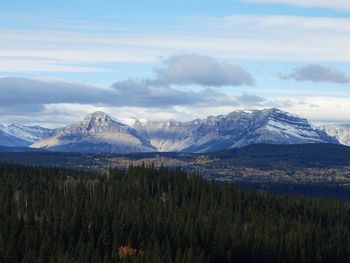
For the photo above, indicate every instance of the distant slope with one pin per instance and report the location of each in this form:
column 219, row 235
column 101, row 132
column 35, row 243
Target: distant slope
column 4, row 149
column 236, row 129
column 15, row 135
column 341, row 132
column 256, row 155
column 29, row 134
column 100, row 133
column 97, row 133
column 8, row 140
column 264, row 155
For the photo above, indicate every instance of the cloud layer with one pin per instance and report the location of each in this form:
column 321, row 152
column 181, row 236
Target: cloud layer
column 193, row 69
column 22, row 95
column 244, row 37
column 331, row 4
column 22, row 91
column 317, row 74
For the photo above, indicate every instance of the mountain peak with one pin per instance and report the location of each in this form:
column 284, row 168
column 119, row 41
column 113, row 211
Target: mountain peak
column 98, row 116
column 100, row 121
column 98, row 132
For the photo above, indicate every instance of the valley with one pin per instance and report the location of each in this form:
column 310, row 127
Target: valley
column 323, row 167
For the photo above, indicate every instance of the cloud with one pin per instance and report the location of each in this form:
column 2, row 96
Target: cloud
column 56, row 103
column 23, row 95
column 337, row 24
column 193, row 69
column 29, row 96
column 141, row 93
column 39, row 101
column 331, row 4
column 317, row 74
column 22, row 91
column 239, row 37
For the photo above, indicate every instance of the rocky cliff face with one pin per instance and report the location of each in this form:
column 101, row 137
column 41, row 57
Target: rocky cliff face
column 236, row 129
column 100, row 133
column 96, row 133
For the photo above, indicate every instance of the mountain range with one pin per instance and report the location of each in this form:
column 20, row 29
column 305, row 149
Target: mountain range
column 100, row 133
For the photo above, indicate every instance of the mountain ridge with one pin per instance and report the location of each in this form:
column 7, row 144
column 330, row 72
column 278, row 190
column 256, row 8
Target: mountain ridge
column 235, row 129
column 16, row 135
column 98, row 132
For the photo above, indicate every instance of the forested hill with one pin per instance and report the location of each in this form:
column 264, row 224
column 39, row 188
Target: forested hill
column 255, row 155
column 160, row 215
column 297, row 155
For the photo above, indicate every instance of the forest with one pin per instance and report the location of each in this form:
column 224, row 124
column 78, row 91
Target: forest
column 149, row 214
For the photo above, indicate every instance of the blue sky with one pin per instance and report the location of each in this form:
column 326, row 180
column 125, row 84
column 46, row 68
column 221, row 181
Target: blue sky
column 296, row 54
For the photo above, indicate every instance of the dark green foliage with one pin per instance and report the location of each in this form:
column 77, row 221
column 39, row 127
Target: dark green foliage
column 161, row 215
column 267, row 156
column 287, row 155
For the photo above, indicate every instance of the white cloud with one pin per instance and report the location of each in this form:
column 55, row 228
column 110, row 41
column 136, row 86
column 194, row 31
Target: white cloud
column 324, row 109
column 331, row 4
column 289, row 21
column 244, row 37
column 318, row 74
column 194, row 69
column 19, row 94
column 26, row 99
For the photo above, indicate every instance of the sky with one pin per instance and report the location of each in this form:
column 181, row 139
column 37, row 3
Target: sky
column 161, row 59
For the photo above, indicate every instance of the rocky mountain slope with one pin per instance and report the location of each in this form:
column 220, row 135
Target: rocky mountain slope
column 16, row 135
column 341, row 132
column 96, row 133
column 237, row 129
column 29, row 134
column 100, row 133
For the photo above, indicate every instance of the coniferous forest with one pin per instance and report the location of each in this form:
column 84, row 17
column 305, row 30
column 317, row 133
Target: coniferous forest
column 160, row 215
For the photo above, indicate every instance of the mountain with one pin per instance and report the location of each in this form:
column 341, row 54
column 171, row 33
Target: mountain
column 237, row 129
column 16, row 135
column 29, row 134
column 96, row 133
column 100, row 133
column 8, row 140
column 340, row 131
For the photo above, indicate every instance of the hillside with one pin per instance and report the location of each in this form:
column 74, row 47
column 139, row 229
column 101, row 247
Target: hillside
column 302, row 155
column 310, row 169
column 255, row 156
column 160, row 215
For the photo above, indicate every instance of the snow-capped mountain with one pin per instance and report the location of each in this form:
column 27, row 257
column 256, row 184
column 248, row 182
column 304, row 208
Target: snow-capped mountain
column 339, row 131
column 236, row 129
column 15, row 135
column 100, row 133
column 11, row 141
column 96, row 133
column 29, row 134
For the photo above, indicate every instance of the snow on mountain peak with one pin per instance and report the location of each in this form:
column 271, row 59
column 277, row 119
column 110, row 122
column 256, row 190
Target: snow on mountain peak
column 97, row 122
column 235, row 129
column 97, row 117
column 29, row 134
column 98, row 132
